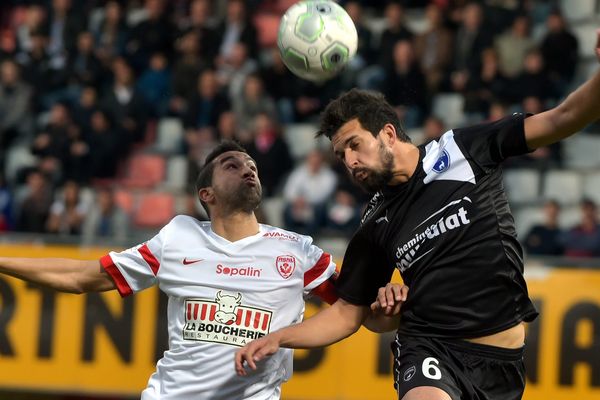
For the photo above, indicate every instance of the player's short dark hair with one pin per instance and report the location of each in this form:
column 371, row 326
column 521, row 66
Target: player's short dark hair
column 370, row 108
column 205, row 175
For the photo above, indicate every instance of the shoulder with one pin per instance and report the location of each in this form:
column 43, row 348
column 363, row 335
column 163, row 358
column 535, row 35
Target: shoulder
column 185, row 223
column 282, row 235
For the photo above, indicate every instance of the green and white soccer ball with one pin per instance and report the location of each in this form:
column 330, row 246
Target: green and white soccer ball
column 316, row 39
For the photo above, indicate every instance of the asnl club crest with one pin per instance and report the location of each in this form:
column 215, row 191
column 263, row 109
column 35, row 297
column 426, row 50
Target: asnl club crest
column 285, row 266
column 224, row 320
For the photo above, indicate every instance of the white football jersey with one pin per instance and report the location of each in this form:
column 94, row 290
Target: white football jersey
column 222, row 295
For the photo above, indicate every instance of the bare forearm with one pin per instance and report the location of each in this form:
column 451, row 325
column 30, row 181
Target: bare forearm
column 58, row 273
column 579, row 109
column 328, row 326
column 381, row 323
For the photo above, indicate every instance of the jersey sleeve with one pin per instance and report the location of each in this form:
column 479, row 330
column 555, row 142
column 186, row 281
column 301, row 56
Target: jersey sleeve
column 320, row 268
column 490, row 143
column 136, row 268
column 364, row 270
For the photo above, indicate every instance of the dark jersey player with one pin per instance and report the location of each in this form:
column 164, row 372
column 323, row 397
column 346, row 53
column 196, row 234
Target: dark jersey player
column 439, row 214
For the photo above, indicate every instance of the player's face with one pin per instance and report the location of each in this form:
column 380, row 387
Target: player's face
column 368, row 160
column 235, row 182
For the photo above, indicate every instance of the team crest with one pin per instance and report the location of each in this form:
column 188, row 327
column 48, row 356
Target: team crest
column 442, row 163
column 409, row 373
column 285, row 266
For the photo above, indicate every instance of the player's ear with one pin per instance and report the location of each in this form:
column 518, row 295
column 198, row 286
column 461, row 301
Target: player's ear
column 206, row 194
column 388, row 134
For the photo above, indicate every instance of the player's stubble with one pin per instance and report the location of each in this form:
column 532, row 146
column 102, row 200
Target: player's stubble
column 376, row 179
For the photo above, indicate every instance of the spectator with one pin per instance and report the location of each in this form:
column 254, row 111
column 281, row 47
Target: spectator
column 111, row 34
column 560, row 51
column 306, row 192
column 63, row 29
column 365, row 54
column 433, row 48
column 85, row 106
column 583, row 240
column 186, row 69
column 106, row 219
column 35, row 18
column 253, row 101
column 33, row 208
column 203, row 27
column 103, row 141
column 15, row 107
column 236, row 28
column 270, row 152
column 533, row 81
column 154, row 85
column 52, row 144
column 471, row 39
column 207, row 104
column 36, row 68
column 232, row 72
column 125, row 105
column 154, row 34
column 282, row 85
column 513, row 45
column 405, row 86
column 544, row 239
column 433, row 128
column 343, row 214
column 67, row 212
column 84, row 68
column 484, row 87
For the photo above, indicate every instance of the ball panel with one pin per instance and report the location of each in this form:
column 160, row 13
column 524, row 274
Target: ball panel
column 309, row 27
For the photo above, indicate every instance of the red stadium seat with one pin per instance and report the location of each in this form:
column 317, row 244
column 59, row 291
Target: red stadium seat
column 267, row 26
column 125, row 200
column 144, row 171
column 154, row 210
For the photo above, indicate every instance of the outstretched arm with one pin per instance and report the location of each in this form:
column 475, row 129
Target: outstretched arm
column 579, row 109
column 331, row 325
column 63, row 274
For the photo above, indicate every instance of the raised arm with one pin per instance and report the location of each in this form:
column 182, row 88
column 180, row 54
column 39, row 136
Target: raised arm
column 580, row 108
column 331, row 325
column 63, row 274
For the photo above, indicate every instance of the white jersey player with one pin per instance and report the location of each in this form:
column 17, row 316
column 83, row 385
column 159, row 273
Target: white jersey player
column 222, row 295
column 229, row 281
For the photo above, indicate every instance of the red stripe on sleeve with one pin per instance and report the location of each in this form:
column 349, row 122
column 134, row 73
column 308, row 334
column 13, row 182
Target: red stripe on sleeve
column 326, row 291
column 318, row 269
column 112, row 270
column 149, row 258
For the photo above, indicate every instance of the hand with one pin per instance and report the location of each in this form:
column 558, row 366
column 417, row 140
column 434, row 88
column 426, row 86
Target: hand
column 255, row 351
column 390, row 299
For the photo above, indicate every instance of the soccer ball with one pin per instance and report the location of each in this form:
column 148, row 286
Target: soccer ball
column 316, row 39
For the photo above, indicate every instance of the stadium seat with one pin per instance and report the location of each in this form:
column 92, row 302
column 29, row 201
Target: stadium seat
column 272, row 208
column 526, row 218
column 563, row 186
column 522, row 185
column 591, row 186
column 144, row 171
column 125, row 200
column 578, row 10
column 267, row 26
column 154, row 210
column 449, row 108
column 581, row 151
column 17, row 158
column 170, row 134
column 586, row 36
column 177, row 173
column 569, row 217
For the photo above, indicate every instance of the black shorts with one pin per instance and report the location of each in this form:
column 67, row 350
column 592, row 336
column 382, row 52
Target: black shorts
column 464, row 370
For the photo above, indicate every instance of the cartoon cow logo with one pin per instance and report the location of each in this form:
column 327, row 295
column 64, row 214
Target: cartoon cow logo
column 227, row 305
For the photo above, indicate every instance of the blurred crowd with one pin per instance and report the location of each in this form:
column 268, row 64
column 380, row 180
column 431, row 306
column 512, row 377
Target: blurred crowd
column 84, row 84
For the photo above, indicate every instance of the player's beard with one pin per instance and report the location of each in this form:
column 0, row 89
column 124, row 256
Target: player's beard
column 377, row 179
column 245, row 198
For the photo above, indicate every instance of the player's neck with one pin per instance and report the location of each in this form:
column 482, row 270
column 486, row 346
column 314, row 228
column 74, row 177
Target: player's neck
column 406, row 159
column 235, row 226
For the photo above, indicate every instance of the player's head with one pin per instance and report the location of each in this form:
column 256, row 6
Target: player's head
column 364, row 129
column 229, row 180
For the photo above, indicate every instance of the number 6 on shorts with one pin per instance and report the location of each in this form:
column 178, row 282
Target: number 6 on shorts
column 430, row 368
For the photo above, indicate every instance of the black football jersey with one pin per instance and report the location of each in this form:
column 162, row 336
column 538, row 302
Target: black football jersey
column 450, row 233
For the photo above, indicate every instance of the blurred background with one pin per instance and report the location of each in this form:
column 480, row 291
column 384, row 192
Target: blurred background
column 108, row 108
